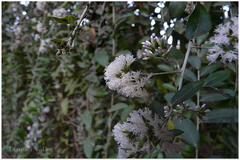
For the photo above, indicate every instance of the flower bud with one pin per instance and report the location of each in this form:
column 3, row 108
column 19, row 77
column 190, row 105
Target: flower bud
column 207, row 111
column 166, row 108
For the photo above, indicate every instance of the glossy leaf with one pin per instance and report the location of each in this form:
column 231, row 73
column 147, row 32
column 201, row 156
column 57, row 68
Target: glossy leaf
column 175, row 56
column 61, row 20
column 21, row 133
column 191, row 134
column 157, row 108
column 217, row 77
column 27, row 119
column 199, row 22
column 176, row 132
column 223, row 115
column 176, row 8
column 88, row 147
column 195, row 61
column 209, row 69
column 118, row 106
column 186, row 92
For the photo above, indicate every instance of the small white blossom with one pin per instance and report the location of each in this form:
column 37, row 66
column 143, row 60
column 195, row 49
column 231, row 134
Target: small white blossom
column 61, row 12
column 40, row 28
column 229, row 56
column 119, row 77
column 41, row 5
column 46, row 109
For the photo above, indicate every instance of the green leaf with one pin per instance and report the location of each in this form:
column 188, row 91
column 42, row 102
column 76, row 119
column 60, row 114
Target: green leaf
column 61, row 20
column 124, row 52
column 195, row 61
column 97, row 91
column 217, row 77
column 219, row 91
column 88, row 147
column 64, row 106
column 87, row 118
column 202, row 38
column 176, row 132
column 169, row 96
column 189, row 75
column 209, row 69
column 179, row 27
column 21, row 133
column 198, row 23
column 92, row 78
column 223, row 115
column 191, row 134
column 186, row 92
column 31, row 109
column 170, row 87
column 165, row 67
column 175, row 56
column 157, row 108
column 118, row 106
column 27, row 119
column 57, row 40
column 70, row 20
column 101, row 57
column 176, row 9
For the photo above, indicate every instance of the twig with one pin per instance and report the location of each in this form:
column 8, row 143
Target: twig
column 185, row 63
column 71, row 38
column 166, row 120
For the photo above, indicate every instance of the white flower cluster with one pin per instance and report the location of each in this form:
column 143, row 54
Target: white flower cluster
column 40, row 28
column 41, row 5
column 44, row 45
column 139, row 124
column 222, row 41
column 61, row 12
column 129, row 83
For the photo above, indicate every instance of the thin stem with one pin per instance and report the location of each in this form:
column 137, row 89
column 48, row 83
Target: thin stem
column 200, row 47
column 154, row 74
column 198, row 101
column 184, row 64
column 71, row 38
column 114, row 19
column 151, row 152
column 236, row 81
column 166, row 120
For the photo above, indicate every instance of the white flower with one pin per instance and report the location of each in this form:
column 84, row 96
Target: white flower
column 119, row 77
column 223, row 29
column 41, row 5
column 37, row 37
column 234, row 27
column 35, row 125
column 229, row 56
column 28, row 143
column 46, row 109
column 219, row 39
column 40, row 28
column 61, row 12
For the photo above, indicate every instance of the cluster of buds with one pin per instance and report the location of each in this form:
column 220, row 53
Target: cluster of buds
column 180, row 110
column 155, row 47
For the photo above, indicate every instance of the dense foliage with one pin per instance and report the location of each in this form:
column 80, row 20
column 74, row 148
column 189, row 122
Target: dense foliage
column 59, row 106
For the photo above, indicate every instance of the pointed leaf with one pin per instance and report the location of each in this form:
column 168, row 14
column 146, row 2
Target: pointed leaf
column 88, row 147
column 191, row 134
column 118, row 106
column 186, row 92
column 92, row 78
column 61, row 20
column 189, row 75
column 211, row 97
column 87, row 118
column 27, row 119
column 212, row 89
column 157, row 108
column 21, row 133
column 70, row 20
column 217, row 77
column 209, row 69
column 223, row 115
column 175, row 56
column 176, row 132
column 170, row 87
column 176, row 8
column 195, row 61
column 64, row 106
column 198, row 23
